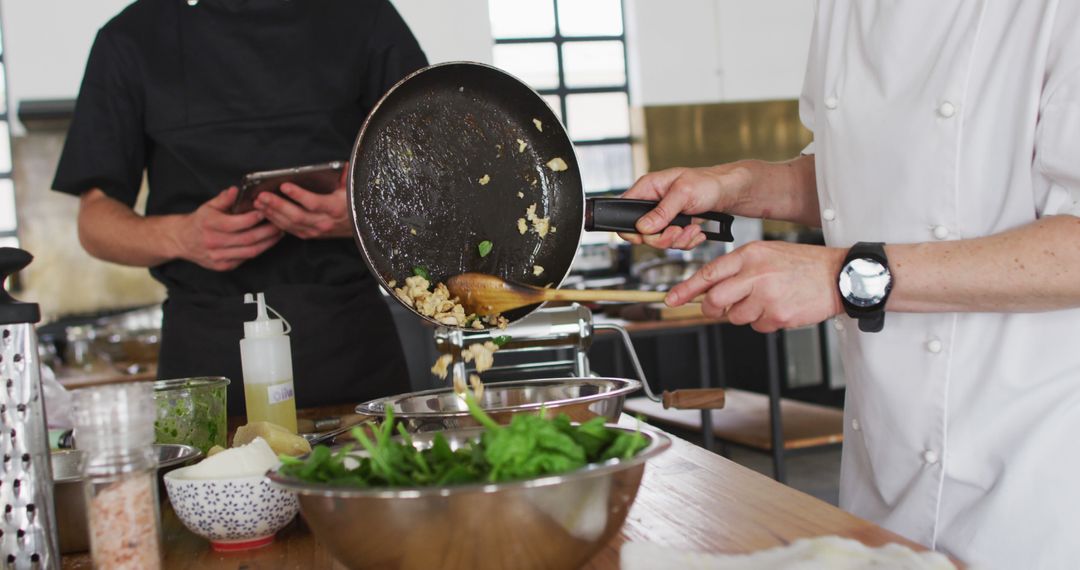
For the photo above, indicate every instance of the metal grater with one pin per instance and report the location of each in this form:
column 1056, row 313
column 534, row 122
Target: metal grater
column 26, row 489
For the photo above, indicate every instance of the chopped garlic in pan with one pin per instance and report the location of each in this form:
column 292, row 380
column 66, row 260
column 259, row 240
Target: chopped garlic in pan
column 557, row 164
column 539, row 225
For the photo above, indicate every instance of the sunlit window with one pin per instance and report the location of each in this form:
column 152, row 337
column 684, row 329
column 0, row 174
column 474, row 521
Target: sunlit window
column 8, row 225
column 573, row 52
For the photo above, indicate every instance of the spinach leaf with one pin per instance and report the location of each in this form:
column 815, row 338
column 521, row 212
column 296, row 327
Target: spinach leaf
column 529, row 446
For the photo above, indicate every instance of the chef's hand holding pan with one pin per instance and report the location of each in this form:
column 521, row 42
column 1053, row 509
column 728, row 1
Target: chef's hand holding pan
column 685, row 191
column 217, row 240
column 308, row 215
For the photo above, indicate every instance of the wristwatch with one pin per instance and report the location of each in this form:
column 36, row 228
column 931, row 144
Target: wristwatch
column 865, row 283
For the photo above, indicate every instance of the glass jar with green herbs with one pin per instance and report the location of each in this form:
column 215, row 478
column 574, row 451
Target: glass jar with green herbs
column 191, row 411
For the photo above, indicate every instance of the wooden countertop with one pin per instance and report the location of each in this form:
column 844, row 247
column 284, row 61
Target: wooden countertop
column 689, row 498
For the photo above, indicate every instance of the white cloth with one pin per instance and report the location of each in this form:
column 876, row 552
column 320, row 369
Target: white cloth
column 945, row 120
column 818, row 553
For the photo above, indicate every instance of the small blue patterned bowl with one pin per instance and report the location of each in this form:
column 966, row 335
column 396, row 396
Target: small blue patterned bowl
column 238, row 513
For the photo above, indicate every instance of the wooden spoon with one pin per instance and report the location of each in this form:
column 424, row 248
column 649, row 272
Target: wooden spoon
column 489, row 295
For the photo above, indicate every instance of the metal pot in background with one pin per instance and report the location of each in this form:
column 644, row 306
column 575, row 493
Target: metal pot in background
column 668, row 268
column 131, row 339
column 663, row 273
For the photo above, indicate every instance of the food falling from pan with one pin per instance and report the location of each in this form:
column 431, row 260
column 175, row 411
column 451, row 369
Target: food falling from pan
column 437, row 303
column 480, row 353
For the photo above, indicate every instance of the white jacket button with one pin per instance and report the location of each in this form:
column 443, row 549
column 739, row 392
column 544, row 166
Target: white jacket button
column 855, row 424
column 828, row 214
column 947, row 110
column 934, row 346
column 941, row 232
column 831, row 102
column 930, row 457
column 838, row 324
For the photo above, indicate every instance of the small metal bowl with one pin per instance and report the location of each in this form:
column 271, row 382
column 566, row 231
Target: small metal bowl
column 435, row 410
column 71, row 502
column 558, row 521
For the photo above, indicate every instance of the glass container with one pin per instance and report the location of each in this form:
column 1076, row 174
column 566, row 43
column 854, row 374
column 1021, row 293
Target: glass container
column 114, row 427
column 191, row 411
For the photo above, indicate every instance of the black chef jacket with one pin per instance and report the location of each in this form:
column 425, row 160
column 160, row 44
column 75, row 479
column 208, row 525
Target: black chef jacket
column 197, row 96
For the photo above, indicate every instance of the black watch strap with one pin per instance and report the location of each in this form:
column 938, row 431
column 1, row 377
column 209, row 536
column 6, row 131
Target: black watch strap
column 871, row 319
column 873, row 322
column 871, row 249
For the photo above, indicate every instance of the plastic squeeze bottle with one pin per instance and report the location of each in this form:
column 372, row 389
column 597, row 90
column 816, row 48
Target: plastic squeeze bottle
column 266, row 358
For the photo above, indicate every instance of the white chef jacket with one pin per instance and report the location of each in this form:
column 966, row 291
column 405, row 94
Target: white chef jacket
column 945, row 120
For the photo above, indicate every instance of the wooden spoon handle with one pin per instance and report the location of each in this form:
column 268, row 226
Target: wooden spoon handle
column 694, row 399
column 615, row 295
column 604, row 295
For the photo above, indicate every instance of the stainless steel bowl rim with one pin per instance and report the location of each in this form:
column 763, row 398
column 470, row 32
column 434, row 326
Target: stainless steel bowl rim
column 194, row 382
column 624, row 386
column 658, row 443
column 186, row 453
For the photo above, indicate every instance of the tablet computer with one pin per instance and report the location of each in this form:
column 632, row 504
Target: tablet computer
column 318, row 178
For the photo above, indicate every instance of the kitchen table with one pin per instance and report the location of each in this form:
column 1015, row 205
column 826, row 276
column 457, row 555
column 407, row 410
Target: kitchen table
column 689, row 498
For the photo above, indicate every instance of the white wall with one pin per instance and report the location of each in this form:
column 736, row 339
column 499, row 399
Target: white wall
column 450, row 30
column 763, row 47
column 47, row 41
column 702, row 51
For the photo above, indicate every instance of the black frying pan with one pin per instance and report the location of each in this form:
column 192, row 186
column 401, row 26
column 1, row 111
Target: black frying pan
column 415, row 189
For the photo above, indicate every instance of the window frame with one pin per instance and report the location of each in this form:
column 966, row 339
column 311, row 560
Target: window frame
column 562, row 91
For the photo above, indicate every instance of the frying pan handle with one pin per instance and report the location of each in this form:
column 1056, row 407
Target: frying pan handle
column 622, row 214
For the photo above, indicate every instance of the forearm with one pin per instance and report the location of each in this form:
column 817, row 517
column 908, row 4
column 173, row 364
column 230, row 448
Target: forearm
column 111, row 231
column 785, row 191
column 1029, row 269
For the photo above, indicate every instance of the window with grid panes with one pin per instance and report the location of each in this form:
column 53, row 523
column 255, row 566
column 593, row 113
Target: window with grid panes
column 573, row 52
column 8, row 227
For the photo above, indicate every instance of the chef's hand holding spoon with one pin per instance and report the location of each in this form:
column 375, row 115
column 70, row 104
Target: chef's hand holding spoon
column 308, row 215
column 769, row 285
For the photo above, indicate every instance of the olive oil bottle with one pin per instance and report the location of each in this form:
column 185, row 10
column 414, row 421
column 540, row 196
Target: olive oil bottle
column 266, row 358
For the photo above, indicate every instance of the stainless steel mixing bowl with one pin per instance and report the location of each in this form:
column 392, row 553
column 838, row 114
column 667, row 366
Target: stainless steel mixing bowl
column 549, row 523
column 71, row 502
column 434, row 410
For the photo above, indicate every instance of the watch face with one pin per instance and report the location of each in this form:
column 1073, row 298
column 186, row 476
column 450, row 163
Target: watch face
column 864, row 282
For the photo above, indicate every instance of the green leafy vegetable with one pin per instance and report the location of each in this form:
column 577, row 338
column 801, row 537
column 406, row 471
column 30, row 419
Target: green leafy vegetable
column 484, row 248
column 500, row 341
column 530, row 446
column 420, row 271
